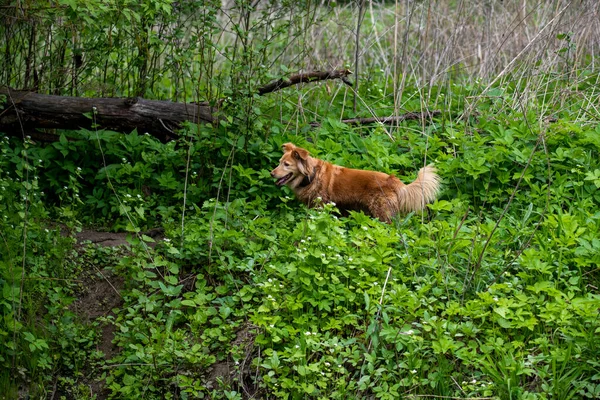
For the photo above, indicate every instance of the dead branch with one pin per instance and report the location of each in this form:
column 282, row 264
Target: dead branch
column 394, row 119
column 305, row 78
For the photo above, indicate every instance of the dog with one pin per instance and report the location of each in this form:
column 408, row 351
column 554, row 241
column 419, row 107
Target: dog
column 375, row 193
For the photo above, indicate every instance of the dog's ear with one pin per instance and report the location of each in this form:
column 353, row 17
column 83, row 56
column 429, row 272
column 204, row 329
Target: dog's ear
column 288, row 147
column 300, row 154
column 303, row 160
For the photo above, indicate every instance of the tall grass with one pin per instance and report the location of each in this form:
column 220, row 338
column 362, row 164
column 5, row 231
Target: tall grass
column 429, row 40
column 430, row 43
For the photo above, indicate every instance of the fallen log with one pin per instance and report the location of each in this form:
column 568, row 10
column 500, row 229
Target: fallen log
column 25, row 112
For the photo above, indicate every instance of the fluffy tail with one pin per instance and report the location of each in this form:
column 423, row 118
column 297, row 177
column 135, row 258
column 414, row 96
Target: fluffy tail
column 414, row 196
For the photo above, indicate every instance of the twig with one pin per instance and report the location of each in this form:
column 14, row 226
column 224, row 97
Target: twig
column 361, row 14
column 185, row 189
column 387, row 278
column 109, row 283
column 107, row 366
column 305, row 78
column 387, row 120
column 54, row 389
column 435, row 396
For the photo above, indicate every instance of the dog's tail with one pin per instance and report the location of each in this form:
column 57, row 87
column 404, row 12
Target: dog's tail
column 414, row 196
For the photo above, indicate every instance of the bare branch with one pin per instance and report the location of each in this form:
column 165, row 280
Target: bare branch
column 305, row 78
column 394, row 119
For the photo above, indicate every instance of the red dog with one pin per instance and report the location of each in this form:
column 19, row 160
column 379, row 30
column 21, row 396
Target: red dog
column 375, row 193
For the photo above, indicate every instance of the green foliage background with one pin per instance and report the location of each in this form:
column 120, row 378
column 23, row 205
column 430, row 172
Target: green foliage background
column 492, row 293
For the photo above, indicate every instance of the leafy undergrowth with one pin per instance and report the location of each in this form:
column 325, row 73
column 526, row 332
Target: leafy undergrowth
column 492, row 293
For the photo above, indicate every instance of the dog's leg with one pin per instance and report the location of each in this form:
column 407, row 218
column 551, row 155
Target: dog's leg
column 382, row 209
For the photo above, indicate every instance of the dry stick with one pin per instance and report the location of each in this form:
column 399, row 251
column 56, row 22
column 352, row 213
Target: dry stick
column 392, row 119
column 398, row 91
column 107, row 281
column 395, row 57
column 361, row 7
column 519, row 20
column 185, row 187
column 387, row 278
column 372, row 112
column 211, row 235
column 435, row 396
column 376, row 32
column 423, row 203
column 306, row 77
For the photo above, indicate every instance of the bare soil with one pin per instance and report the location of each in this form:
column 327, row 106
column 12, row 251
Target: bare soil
column 113, row 239
column 100, row 294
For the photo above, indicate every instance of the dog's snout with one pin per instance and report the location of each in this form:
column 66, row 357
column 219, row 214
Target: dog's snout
column 273, row 173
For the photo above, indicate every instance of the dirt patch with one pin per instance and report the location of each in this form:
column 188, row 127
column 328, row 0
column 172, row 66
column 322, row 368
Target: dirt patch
column 100, row 295
column 101, row 289
column 110, row 239
column 113, row 239
column 227, row 373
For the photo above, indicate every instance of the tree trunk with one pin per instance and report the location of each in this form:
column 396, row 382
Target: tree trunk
column 159, row 118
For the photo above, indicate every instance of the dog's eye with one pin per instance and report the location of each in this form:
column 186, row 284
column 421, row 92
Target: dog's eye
column 287, row 164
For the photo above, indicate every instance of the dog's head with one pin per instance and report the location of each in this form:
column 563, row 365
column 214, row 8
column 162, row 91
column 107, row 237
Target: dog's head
column 293, row 166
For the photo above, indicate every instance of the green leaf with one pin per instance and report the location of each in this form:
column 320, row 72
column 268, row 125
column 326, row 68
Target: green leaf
column 225, row 311
column 441, row 205
column 308, row 388
column 501, row 311
column 170, row 290
column 302, row 370
column 172, row 250
column 140, row 212
column 504, row 323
